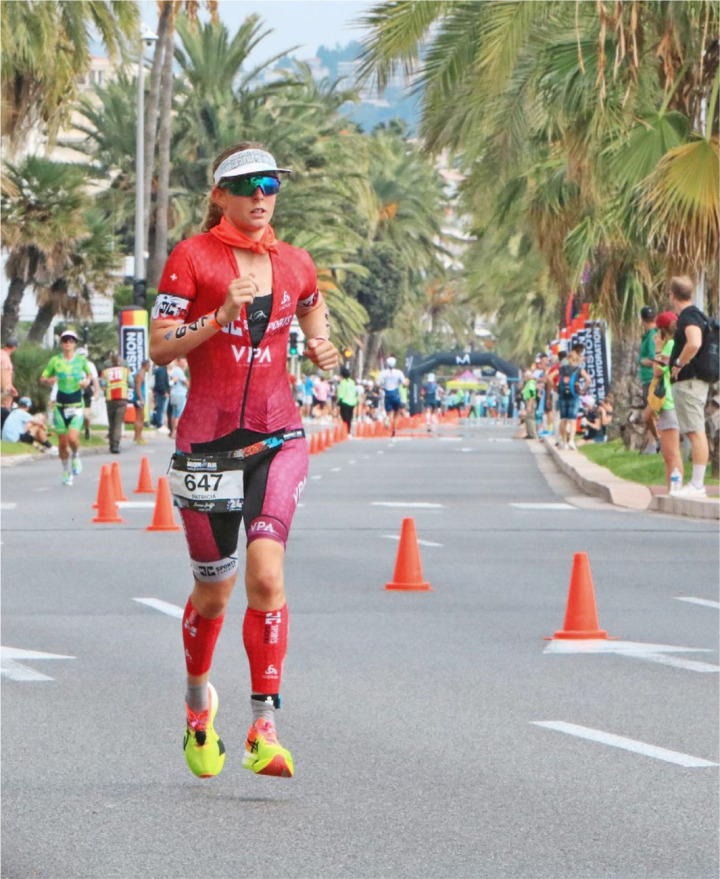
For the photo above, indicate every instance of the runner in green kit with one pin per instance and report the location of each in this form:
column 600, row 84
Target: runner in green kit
column 72, row 374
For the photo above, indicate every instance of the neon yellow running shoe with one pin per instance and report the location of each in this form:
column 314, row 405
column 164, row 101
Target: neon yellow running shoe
column 204, row 749
column 263, row 754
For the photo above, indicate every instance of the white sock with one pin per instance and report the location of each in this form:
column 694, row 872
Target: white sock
column 698, row 475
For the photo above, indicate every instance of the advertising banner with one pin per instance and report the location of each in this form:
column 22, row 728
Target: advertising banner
column 133, row 347
column 597, row 357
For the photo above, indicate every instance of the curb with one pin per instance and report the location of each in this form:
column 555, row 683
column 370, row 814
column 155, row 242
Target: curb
column 601, row 482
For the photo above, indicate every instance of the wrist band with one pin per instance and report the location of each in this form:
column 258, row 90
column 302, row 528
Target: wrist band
column 213, row 321
column 320, row 338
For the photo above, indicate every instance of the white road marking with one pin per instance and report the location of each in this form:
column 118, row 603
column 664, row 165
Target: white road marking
column 172, row 610
column 13, row 670
column 557, row 506
column 702, row 601
column 604, row 738
column 421, row 542
column 316, row 477
column 635, row 650
column 335, row 469
column 449, row 439
column 136, row 505
column 7, row 506
column 499, row 439
column 420, row 505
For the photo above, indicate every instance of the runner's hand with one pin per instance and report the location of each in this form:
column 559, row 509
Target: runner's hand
column 241, row 292
column 322, row 353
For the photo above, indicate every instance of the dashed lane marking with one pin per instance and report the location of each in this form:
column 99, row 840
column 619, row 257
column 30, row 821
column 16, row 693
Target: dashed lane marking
column 625, row 744
column 421, row 542
column 657, row 653
column 7, row 506
column 704, row 602
column 553, row 506
column 172, row 610
column 417, row 505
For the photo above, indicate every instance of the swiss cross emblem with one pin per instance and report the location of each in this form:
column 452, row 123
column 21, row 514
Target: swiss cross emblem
column 173, row 277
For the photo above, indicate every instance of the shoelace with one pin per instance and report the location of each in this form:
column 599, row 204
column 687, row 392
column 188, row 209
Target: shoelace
column 198, row 722
column 267, row 730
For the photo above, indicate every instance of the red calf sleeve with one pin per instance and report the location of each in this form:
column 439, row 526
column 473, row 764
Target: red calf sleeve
column 199, row 638
column 265, row 636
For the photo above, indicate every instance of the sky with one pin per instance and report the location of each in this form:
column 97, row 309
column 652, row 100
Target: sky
column 304, row 23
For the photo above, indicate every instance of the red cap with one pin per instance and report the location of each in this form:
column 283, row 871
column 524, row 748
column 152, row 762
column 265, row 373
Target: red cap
column 664, row 319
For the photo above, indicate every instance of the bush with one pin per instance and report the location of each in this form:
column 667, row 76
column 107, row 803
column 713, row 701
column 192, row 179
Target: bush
column 29, row 361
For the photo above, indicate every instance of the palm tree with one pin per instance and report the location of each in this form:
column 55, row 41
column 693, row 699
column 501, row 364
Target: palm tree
column 582, row 117
column 45, row 53
column 54, row 242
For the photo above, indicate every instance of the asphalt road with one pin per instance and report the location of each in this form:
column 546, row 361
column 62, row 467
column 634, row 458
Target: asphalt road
column 433, row 734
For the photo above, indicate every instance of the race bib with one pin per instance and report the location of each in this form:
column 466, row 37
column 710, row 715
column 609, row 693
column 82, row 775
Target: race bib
column 69, row 412
column 208, row 490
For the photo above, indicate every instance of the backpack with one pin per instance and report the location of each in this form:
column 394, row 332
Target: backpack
column 707, row 360
column 566, row 385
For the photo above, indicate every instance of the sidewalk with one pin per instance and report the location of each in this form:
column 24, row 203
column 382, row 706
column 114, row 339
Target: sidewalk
column 602, row 483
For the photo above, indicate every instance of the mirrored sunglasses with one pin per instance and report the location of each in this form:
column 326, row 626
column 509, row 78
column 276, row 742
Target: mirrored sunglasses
column 247, row 185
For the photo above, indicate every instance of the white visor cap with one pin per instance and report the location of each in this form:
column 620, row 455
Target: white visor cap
column 391, row 361
column 247, row 162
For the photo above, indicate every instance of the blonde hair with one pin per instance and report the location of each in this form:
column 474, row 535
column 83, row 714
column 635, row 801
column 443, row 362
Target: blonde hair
column 573, row 358
column 214, row 212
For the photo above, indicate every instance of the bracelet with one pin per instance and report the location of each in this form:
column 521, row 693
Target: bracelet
column 213, row 321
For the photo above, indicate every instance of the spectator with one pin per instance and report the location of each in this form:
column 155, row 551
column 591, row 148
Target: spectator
column 321, row 397
column 597, row 419
column 139, row 385
column 530, row 396
column 179, row 384
column 690, row 391
column 22, row 427
column 115, row 379
column 571, row 379
column 161, row 395
column 7, row 404
column 6, row 366
column 645, row 359
column 667, row 422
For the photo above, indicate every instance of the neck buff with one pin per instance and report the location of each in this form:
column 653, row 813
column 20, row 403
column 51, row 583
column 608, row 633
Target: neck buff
column 229, row 234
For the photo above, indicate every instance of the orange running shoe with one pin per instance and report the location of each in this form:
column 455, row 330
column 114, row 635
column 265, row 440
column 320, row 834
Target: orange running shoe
column 263, row 754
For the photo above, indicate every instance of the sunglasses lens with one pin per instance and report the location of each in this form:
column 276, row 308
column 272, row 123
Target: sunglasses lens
column 247, row 185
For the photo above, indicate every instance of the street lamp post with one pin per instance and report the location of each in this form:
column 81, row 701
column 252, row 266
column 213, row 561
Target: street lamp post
column 139, row 281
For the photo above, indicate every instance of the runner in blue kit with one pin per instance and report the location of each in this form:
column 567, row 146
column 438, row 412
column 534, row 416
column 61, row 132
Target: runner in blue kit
column 226, row 300
column 390, row 380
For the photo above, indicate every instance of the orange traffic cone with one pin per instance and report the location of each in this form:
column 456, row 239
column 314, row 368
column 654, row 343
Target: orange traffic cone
column 106, row 503
column 328, row 438
column 408, row 574
column 314, row 444
column 117, row 482
column 163, row 519
column 144, row 485
column 581, row 619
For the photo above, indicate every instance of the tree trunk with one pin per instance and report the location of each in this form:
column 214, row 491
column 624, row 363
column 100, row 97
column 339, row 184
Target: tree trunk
column 42, row 322
column 372, row 346
column 11, row 308
column 627, row 392
column 151, row 113
column 160, row 248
